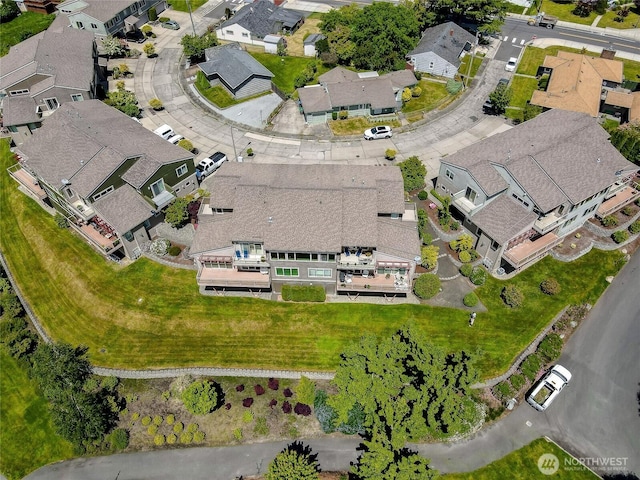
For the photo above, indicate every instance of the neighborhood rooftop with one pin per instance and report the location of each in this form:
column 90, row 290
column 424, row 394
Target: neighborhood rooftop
column 552, row 164
column 445, row 40
column 99, row 9
column 232, row 64
column 261, row 16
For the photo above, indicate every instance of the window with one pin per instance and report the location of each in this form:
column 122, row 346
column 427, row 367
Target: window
column 19, row 92
column 77, row 97
column 470, row 194
column 303, row 257
column 395, row 216
column 157, row 188
column 80, row 25
column 103, row 192
column 94, row 26
column 286, row 272
column 449, row 174
column 68, row 192
column 182, row 170
column 430, row 65
column 228, row 32
column 245, row 34
column 319, row 273
column 494, row 245
column 128, row 236
column 52, row 103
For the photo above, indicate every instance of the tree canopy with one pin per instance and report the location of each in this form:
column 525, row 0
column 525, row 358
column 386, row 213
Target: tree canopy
column 500, row 98
column 413, row 173
column 8, row 10
column 125, row 101
column 295, row 461
column 194, row 46
column 112, row 46
column 626, row 139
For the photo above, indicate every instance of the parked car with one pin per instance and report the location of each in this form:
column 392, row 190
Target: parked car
column 171, row 25
column 165, row 131
column 135, row 36
column 175, row 139
column 209, row 165
column 511, row 64
column 378, row 132
column 548, row 388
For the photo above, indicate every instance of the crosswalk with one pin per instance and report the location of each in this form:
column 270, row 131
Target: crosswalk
column 516, row 41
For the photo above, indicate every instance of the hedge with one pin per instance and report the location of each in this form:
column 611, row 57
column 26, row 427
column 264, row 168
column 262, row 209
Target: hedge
column 303, row 293
column 550, row 347
column 470, row 299
column 531, row 366
column 427, row 286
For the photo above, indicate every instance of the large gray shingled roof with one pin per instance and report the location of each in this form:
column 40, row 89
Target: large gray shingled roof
column 445, row 40
column 232, row 64
column 263, row 17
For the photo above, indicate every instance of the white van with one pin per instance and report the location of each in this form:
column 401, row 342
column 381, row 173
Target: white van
column 175, row 139
column 165, row 131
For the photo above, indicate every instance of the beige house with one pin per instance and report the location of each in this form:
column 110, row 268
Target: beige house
column 592, row 85
column 346, row 228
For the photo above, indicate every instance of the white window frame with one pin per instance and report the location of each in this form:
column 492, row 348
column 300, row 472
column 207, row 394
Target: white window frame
column 449, row 174
column 320, row 273
column 80, row 25
column 23, row 91
column 107, row 190
column 49, row 102
column 182, row 170
column 159, row 183
column 77, row 97
column 228, row 32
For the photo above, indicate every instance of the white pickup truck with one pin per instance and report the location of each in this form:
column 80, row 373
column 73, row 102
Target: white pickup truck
column 548, row 387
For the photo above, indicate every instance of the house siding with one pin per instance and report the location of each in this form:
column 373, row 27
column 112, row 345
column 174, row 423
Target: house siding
column 168, row 174
column 253, row 86
column 422, row 63
column 236, row 33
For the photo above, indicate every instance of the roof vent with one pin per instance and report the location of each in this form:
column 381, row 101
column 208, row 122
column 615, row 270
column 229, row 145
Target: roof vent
column 598, row 160
column 65, row 181
column 270, row 219
column 451, row 32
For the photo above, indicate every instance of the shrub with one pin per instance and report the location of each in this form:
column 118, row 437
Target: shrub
column 455, row 225
column 306, row 390
column 146, row 29
column 287, row 393
column 247, row 416
column 198, row 436
column 334, row 115
column 465, row 256
column 178, row 427
column 155, row 103
column 247, row 402
column 259, row 389
column 157, row 420
column 466, row 269
column 550, row 286
column 150, row 50
column 423, row 195
column 427, row 286
column 302, row 409
column 186, row 144
column 294, row 462
column 512, row 296
column 192, row 427
column 413, row 173
column 186, row 438
column 135, row 416
column 239, row 388
column 463, row 242
column 478, row 276
column 152, row 429
column 153, row 15
column 406, row 95
column 250, row 152
column 470, row 299
column 261, row 427
column 550, row 347
column 171, row 418
column 61, row 221
column 273, row 403
column 628, row 211
column 146, row 420
column 303, row 293
column 172, row 438
column 227, row 406
column 273, row 384
column 620, row 236
column 634, row 227
column 531, row 366
column 453, row 87
column 201, row 397
column 160, row 246
column 517, row 381
column 119, row 439
column 609, row 221
column 343, row 114
column 159, row 439
column 237, row 433
column 503, row 390
column 286, row 407
column 325, row 414
column 390, row 154
column 430, row 256
column 416, row 91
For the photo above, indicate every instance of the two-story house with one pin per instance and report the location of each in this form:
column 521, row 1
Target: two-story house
column 106, row 173
column 521, row 192
column 346, row 228
column 110, row 17
column 252, row 23
column 43, row 72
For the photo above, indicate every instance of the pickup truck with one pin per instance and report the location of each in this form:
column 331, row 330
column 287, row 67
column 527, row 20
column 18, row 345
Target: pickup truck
column 548, row 387
column 543, row 20
column 209, row 165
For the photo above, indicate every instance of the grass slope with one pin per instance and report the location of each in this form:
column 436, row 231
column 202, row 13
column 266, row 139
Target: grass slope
column 147, row 315
column 523, row 465
column 27, row 438
column 13, row 31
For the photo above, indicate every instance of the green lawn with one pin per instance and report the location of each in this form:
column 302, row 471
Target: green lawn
column 286, row 69
column 355, row 125
column 218, row 95
column 522, row 88
column 464, row 65
column 514, row 8
column 14, row 31
column 630, row 21
column 147, row 315
column 181, row 5
column 563, row 12
column 27, row 438
column 433, row 93
column 523, row 465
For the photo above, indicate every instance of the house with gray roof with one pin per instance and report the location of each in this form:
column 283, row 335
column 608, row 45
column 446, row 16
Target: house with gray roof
column 344, row 227
column 111, row 17
column 440, row 50
column 521, row 192
column 253, row 22
column 362, row 94
column 235, row 70
column 42, row 73
column 108, row 175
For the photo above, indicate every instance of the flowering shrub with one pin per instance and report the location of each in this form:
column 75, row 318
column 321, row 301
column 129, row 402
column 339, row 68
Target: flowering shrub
column 239, row 388
column 160, row 246
column 259, row 389
column 273, row 403
column 288, row 393
column 273, row 384
column 247, row 402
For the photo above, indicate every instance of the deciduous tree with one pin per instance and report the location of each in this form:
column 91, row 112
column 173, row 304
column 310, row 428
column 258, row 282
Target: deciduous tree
column 194, row 45
column 8, row 10
column 413, row 173
column 125, row 101
column 500, row 98
column 112, row 47
column 295, row 461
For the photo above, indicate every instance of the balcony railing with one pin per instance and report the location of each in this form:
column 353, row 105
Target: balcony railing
column 355, row 261
column 548, row 222
column 529, row 250
column 622, row 198
column 463, row 203
column 107, row 243
column 378, row 283
column 28, row 181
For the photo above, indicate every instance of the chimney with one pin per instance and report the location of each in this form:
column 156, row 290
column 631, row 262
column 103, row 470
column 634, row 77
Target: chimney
column 451, row 32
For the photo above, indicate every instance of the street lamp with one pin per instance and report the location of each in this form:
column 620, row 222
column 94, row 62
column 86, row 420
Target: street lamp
column 193, row 26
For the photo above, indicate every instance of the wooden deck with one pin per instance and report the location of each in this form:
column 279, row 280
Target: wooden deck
column 229, row 277
column 29, row 182
column 379, row 283
column 528, row 250
column 624, row 197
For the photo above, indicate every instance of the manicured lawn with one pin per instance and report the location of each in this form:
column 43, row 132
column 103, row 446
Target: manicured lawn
column 631, row 70
column 522, row 88
column 181, row 5
column 218, row 95
column 355, row 125
column 27, row 438
column 464, row 65
column 514, row 8
column 523, row 465
column 286, row 69
column 433, row 93
column 148, row 316
column 563, row 12
column 12, row 32
column 630, row 21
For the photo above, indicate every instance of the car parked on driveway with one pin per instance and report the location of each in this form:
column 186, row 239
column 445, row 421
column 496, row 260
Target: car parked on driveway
column 164, row 131
column 135, row 36
column 208, row 165
column 511, row 64
column 171, row 25
column 548, row 388
column 383, row 131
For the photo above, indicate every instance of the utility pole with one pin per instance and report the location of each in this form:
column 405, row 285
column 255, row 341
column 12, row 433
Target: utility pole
column 473, row 54
column 233, row 142
column 193, row 26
